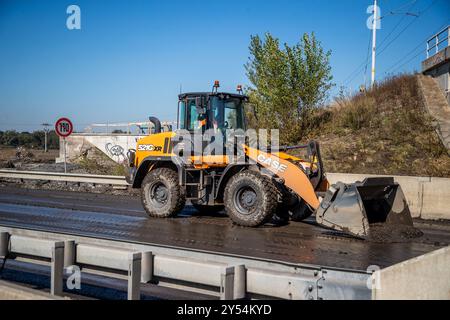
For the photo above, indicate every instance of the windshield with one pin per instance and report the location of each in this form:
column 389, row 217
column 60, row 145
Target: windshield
column 227, row 113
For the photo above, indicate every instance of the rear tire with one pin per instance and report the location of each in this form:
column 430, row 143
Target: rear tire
column 161, row 194
column 250, row 199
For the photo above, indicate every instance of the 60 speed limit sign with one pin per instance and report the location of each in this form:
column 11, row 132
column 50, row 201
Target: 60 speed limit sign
column 63, row 127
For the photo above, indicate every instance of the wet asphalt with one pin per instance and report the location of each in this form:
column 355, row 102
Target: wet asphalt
column 123, row 218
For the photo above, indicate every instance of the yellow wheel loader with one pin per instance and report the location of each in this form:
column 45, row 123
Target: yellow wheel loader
column 267, row 184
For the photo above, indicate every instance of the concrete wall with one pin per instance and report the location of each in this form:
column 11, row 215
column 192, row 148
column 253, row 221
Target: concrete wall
column 438, row 66
column 423, row 278
column 442, row 76
column 428, row 198
column 114, row 146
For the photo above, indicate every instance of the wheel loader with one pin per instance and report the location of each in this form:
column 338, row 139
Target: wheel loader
column 269, row 184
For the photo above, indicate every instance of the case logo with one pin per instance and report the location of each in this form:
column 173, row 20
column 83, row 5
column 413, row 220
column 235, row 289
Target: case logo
column 272, row 163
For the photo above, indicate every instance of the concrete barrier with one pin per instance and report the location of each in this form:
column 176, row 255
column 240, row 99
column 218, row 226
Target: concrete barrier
column 428, row 198
column 115, row 146
column 423, row 278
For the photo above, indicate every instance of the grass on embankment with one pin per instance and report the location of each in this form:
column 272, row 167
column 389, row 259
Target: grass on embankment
column 383, row 131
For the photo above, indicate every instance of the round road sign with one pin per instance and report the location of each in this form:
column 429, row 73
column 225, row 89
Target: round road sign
column 63, row 127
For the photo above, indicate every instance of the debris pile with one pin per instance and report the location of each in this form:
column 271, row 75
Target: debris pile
column 388, row 233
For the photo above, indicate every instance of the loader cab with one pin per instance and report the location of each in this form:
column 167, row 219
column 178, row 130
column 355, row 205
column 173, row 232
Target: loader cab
column 217, row 111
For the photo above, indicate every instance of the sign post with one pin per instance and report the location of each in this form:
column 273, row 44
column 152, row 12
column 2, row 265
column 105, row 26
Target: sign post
column 64, row 128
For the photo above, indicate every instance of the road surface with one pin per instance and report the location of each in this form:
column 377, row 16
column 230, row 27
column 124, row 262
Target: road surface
column 123, row 218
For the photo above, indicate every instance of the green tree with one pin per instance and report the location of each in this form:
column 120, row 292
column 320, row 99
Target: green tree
column 33, row 140
column 287, row 84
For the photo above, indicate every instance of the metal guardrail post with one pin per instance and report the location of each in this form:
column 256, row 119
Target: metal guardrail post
column 134, row 276
column 4, row 241
column 227, row 283
column 240, row 282
column 233, row 283
column 147, row 267
column 69, row 253
column 57, row 269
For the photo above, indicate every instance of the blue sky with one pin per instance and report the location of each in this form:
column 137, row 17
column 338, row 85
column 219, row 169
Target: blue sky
column 130, row 57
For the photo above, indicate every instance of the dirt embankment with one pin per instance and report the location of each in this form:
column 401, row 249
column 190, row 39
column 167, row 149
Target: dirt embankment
column 14, row 158
column 383, row 131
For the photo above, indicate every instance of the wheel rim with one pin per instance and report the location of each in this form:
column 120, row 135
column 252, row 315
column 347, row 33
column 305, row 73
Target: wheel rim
column 245, row 199
column 159, row 194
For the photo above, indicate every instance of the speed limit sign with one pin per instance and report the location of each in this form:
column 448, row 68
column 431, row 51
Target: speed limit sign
column 63, row 127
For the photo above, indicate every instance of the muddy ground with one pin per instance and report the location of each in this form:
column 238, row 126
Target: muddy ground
column 122, row 218
column 33, row 160
column 385, row 233
column 18, row 158
column 379, row 233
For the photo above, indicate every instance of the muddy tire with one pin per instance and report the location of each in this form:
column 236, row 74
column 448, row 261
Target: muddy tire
column 300, row 212
column 282, row 215
column 205, row 209
column 250, row 199
column 161, row 194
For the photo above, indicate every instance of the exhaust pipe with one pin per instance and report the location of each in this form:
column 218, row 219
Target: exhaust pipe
column 353, row 208
column 156, row 123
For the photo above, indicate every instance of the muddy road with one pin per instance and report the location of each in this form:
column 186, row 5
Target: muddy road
column 123, row 218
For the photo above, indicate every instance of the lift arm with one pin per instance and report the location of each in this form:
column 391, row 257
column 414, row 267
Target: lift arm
column 294, row 177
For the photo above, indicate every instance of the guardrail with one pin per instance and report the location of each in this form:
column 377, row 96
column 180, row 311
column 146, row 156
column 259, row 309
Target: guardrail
column 64, row 177
column 226, row 276
column 438, row 41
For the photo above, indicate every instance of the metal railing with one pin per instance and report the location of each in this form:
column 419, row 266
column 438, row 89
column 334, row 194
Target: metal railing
column 225, row 276
column 437, row 42
column 64, row 177
column 129, row 128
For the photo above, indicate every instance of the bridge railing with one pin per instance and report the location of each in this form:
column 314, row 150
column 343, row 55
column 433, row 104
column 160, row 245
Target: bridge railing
column 438, row 42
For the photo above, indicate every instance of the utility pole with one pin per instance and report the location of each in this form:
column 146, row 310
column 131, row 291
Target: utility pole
column 374, row 39
column 46, row 131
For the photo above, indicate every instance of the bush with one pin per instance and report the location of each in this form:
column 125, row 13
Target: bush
column 33, row 140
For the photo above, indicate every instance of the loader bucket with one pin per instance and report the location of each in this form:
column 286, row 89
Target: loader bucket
column 353, row 208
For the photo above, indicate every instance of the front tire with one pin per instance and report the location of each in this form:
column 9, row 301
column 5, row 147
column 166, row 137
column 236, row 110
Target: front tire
column 250, row 199
column 161, row 194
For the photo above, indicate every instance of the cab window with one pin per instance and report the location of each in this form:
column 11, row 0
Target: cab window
column 227, row 114
column 182, row 115
column 193, row 120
